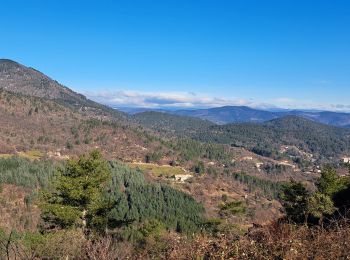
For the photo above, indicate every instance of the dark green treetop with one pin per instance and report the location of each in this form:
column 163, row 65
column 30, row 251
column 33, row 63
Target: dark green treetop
column 76, row 195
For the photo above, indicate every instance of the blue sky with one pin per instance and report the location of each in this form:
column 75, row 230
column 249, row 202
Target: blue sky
column 289, row 53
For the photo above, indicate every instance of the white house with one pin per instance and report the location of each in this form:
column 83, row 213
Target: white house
column 346, row 160
column 182, row 177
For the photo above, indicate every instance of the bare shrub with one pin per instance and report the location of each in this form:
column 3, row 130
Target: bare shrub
column 106, row 249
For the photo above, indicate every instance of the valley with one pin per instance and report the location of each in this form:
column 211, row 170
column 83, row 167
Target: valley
column 185, row 170
column 174, row 130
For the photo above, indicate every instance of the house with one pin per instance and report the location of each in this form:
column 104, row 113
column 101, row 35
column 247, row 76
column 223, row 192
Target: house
column 182, row 177
column 258, row 165
column 346, row 160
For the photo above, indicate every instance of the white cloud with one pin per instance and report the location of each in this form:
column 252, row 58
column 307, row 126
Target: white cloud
column 163, row 99
column 127, row 98
column 284, row 100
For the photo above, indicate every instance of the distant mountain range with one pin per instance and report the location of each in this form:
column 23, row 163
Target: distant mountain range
column 230, row 114
column 243, row 114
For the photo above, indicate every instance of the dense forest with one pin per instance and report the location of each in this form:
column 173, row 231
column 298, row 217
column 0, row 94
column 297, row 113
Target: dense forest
column 138, row 201
column 128, row 205
column 22, row 172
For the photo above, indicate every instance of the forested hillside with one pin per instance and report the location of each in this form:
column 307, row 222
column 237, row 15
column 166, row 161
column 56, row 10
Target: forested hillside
column 135, row 200
column 266, row 139
column 320, row 140
column 171, row 124
column 138, row 201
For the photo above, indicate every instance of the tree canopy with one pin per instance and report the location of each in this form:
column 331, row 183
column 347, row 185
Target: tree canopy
column 76, row 197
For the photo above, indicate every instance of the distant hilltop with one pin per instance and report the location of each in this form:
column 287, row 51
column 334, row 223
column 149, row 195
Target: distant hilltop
column 243, row 114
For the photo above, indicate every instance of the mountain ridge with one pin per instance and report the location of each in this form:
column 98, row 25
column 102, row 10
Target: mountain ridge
column 20, row 79
column 229, row 114
column 32, row 79
column 39, row 114
column 242, row 114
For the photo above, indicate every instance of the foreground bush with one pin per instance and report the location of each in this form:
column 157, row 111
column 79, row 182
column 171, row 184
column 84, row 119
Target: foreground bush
column 276, row 241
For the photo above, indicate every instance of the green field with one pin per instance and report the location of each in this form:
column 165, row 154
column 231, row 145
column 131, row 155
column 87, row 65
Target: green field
column 31, row 155
column 158, row 170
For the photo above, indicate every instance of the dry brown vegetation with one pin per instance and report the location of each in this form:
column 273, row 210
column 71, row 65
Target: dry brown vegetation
column 15, row 212
column 290, row 242
column 30, row 123
column 275, row 241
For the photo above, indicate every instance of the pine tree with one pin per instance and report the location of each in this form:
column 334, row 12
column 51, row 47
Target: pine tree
column 330, row 182
column 319, row 205
column 295, row 197
column 76, row 198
